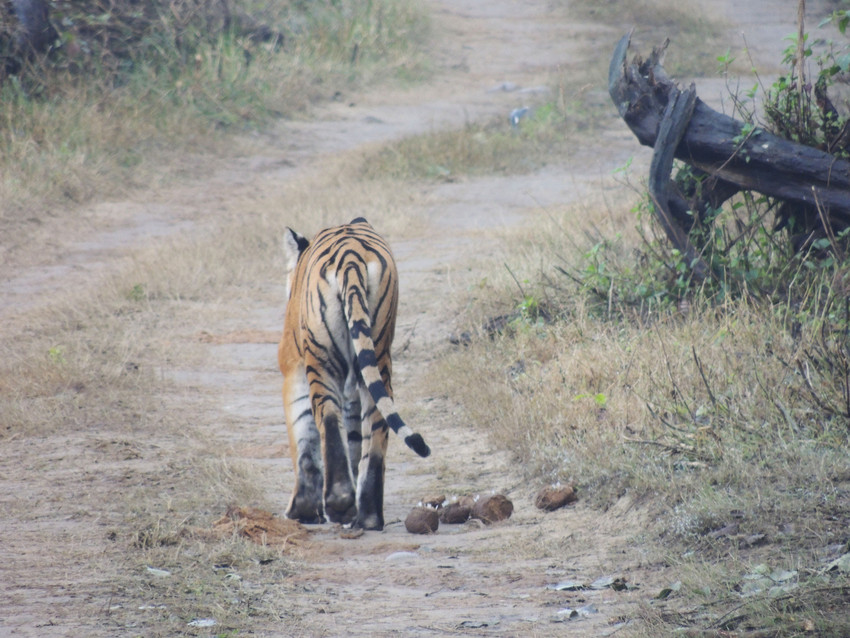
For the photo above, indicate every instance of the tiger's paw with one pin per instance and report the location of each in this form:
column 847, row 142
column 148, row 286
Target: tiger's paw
column 369, row 522
column 341, row 507
column 305, row 513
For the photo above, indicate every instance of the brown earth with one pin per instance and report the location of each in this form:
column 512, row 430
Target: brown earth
column 56, row 566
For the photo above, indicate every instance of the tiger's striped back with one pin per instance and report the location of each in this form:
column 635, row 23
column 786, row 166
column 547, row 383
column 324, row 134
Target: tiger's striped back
column 335, row 357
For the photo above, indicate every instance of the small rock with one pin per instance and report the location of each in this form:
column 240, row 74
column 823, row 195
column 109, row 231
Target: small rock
column 754, row 540
column 351, row 534
column 553, row 497
column 455, row 513
column 203, row 622
column 161, row 573
column 422, row 520
column 566, row 585
column 615, row 583
column 841, row 564
column 491, row 509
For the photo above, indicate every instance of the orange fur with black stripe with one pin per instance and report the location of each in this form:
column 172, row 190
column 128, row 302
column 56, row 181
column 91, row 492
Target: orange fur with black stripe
column 334, row 354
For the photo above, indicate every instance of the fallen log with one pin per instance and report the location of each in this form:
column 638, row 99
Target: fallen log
column 813, row 186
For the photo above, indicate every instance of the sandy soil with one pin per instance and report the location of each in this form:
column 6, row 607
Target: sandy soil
column 458, row 581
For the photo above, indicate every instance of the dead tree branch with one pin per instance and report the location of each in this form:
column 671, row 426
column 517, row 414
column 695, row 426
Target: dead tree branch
column 734, row 157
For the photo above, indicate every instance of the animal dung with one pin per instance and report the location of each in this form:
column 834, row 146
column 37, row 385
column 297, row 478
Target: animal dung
column 422, row 520
column 491, row 509
column 425, row 518
column 553, row 497
column 455, row 513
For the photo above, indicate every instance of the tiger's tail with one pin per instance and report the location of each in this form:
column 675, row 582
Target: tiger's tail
column 360, row 329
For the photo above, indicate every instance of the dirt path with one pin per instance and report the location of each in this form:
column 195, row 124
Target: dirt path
column 468, row 579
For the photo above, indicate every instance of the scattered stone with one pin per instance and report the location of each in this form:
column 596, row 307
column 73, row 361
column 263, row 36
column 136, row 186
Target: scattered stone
column 567, row 613
column 455, row 513
column 754, row 540
column 491, row 509
column 841, row 564
column 566, row 585
column 422, row 520
column 668, row 591
column 726, row 530
column 203, row 622
column 554, row 497
column 159, row 573
column 615, row 583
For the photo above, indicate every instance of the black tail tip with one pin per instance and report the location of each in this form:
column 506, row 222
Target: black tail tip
column 416, row 443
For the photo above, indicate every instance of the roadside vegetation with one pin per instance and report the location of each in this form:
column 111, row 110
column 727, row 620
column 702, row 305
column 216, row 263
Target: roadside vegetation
column 124, row 92
column 722, row 407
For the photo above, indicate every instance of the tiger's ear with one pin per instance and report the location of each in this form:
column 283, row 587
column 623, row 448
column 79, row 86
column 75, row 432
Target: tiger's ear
column 293, row 245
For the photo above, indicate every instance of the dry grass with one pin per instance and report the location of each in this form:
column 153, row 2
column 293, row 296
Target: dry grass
column 77, row 136
column 91, row 399
column 695, row 35
column 702, row 415
column 562, row 120
column 571, row 116
column 730, row 437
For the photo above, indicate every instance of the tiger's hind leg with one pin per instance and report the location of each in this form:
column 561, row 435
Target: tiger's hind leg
column 370, row 480
column 305, row 505
column 351, row 418
column 326, row 398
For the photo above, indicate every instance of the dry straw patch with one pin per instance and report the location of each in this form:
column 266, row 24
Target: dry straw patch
column 702, row 414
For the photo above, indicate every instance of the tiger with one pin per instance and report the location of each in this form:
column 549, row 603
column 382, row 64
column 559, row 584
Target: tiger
column 334, row 354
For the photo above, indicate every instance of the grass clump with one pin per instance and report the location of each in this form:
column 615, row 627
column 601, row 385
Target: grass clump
column 128, row 87
column 723, row 405
column 728, row 422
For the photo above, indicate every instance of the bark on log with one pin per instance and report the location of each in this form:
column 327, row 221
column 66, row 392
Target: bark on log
column 723, row 148
column 674, row 122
